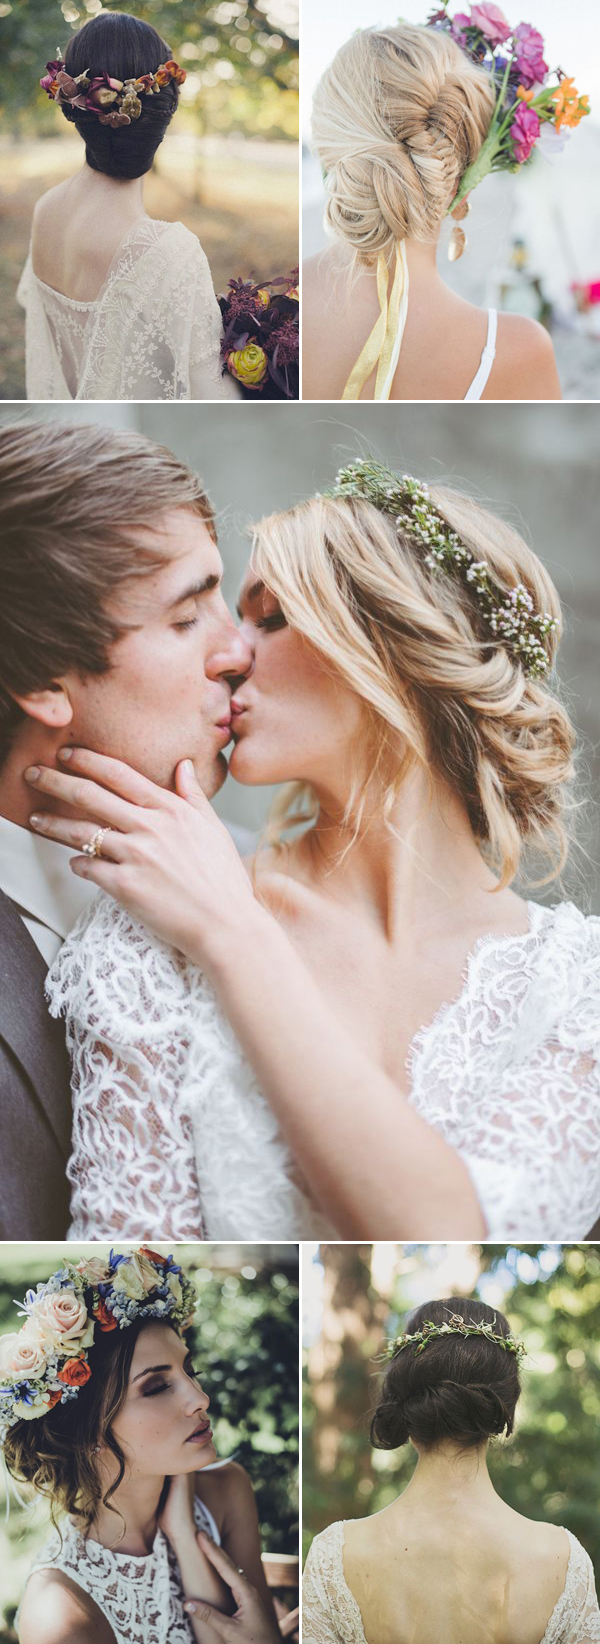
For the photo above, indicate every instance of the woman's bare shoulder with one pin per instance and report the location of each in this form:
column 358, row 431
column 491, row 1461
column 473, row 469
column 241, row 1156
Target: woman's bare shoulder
column 223, row 1487
column 525, row 366
column 56, row 1611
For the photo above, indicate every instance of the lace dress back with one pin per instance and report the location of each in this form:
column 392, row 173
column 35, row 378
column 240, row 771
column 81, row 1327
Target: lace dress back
column 331, row 1615
column 172, row 1133
column 153, row 332
column 142, row 1598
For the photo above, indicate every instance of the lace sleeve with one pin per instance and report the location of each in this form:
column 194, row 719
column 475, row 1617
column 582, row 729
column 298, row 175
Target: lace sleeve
column 510, row 1074
column 157, row 330
column 330, row 1614
column 576, row 1618
column 123, row 996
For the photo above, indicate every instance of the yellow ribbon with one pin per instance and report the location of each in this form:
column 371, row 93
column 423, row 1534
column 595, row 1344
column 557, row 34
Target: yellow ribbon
column 382, row 348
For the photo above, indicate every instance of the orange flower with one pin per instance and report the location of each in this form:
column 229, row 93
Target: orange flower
column 104, row 1317
column 75, row 1372
column 54, row 1398
column 525, row 95
column 152, row 1255
column 170, row 71
column 570, row 107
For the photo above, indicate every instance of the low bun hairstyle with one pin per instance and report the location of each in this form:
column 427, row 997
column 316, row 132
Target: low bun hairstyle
column 438, row 691
column 123, row 47
column 462, row 1389
column 397, row 118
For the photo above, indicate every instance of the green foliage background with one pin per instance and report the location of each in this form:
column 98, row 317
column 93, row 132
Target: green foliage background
column 243, row 53
column 245, row 1339
column 550, row 1468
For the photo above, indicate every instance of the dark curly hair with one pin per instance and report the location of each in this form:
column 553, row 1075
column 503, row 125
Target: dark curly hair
column 56, row 1453
column 123, row 47
column 462, row 1388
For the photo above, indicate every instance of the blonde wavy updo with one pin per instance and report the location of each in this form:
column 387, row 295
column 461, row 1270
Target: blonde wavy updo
column 397, row 118
column 438, row 690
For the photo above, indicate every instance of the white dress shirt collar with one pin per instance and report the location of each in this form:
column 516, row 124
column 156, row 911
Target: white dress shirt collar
column 35, row 873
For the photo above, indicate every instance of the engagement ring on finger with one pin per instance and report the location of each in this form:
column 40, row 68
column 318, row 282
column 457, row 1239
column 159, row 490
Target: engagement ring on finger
column 94, row 845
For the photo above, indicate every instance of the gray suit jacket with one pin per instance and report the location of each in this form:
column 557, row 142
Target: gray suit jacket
column 35, row 1102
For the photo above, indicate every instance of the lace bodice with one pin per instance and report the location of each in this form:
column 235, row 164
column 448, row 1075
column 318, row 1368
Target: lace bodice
column 331, row 1615
column 509, row 1073
column 142, row 1598
column 153, row 333
column 171, row 1135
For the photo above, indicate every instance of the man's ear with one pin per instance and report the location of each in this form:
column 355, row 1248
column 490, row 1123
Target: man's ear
column 51, row 706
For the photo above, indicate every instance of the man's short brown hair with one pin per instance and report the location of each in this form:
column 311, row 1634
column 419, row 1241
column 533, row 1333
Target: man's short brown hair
column 73, row 501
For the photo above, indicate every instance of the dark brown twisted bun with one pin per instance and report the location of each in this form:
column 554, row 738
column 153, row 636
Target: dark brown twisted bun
column 125, row 48
column 460, row 1388
column 397, row 117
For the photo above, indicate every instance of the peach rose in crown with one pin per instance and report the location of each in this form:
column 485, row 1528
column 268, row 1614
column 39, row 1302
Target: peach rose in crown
column 94, row 1269
column 22, row 1354
column 63, row 1321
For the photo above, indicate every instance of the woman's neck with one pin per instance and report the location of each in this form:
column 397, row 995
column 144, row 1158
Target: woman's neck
column 415, row 868
column 447, row 1476
column 137, row 1501
column 124, row 192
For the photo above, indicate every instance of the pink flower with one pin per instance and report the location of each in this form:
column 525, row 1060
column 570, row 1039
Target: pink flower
column 49, row 81
column 524, row 131
column 529, row 51
column 492, row 23
column 459, row 24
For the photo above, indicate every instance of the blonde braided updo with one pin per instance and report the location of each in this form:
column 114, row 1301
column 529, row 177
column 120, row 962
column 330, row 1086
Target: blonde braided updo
column 397, row 118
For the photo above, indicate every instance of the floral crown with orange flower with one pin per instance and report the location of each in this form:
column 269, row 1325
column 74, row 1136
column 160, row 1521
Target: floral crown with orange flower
column 47, row 1360
column 116, row 102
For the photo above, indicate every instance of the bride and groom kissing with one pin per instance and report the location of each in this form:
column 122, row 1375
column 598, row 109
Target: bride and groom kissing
column 265, row 1049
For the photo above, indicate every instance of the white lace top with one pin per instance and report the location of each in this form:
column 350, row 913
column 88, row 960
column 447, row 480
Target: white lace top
column 171, row 1135
column 141, row 1597
column 168, row 1115
column 153, row 333
column 331, row 1615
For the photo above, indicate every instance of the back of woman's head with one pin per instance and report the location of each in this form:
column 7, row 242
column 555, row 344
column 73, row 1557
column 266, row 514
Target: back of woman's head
column 124, row 48
column 439, row 691
column 397, row 118
column 461, row 1389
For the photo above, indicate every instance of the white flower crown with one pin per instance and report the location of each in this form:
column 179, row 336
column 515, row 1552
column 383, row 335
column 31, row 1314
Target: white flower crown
column 454, row 1326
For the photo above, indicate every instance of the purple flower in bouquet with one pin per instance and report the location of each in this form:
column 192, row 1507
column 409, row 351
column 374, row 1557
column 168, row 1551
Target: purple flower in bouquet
column 460, row 24
column 524, row 131
column 492, row 23
column 529, row 54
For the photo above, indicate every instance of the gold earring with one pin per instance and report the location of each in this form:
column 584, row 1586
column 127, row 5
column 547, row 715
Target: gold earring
column 458, row 238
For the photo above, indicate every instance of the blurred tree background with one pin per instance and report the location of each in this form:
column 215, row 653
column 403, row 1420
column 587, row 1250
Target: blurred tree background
column 356, row 1298
column 245, row 1339
column 228, row 167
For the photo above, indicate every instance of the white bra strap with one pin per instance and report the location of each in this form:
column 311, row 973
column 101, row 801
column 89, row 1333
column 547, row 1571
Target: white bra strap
column 487, row 359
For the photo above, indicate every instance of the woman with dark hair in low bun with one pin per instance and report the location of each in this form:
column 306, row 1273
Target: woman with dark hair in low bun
column 448, row 1562
column 118, row 305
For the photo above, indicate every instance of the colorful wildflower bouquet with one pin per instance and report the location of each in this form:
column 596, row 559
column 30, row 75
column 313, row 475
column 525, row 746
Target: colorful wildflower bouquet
column 260, row 345
column 535, row 107
column 48, row 1359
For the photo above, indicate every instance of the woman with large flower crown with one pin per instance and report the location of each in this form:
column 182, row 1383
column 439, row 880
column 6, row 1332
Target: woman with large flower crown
column 406, row 122
column 448, row 1560
column 118, row 306
column 103, row 1413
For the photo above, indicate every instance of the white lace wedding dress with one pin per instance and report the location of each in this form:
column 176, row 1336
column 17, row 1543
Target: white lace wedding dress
column 331, row 1615
column 172, row 1137
column 141, row 1597
column 153, row 332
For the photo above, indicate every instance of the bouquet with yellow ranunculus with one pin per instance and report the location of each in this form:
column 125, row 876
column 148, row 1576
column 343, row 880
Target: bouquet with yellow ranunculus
column 260, row 345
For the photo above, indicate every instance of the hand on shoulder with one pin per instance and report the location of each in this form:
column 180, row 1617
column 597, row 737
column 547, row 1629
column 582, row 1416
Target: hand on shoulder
column 56, row 1611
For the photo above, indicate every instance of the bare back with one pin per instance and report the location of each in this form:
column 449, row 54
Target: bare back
column 467, row 1577
column 442, row 344
column 77, row 228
